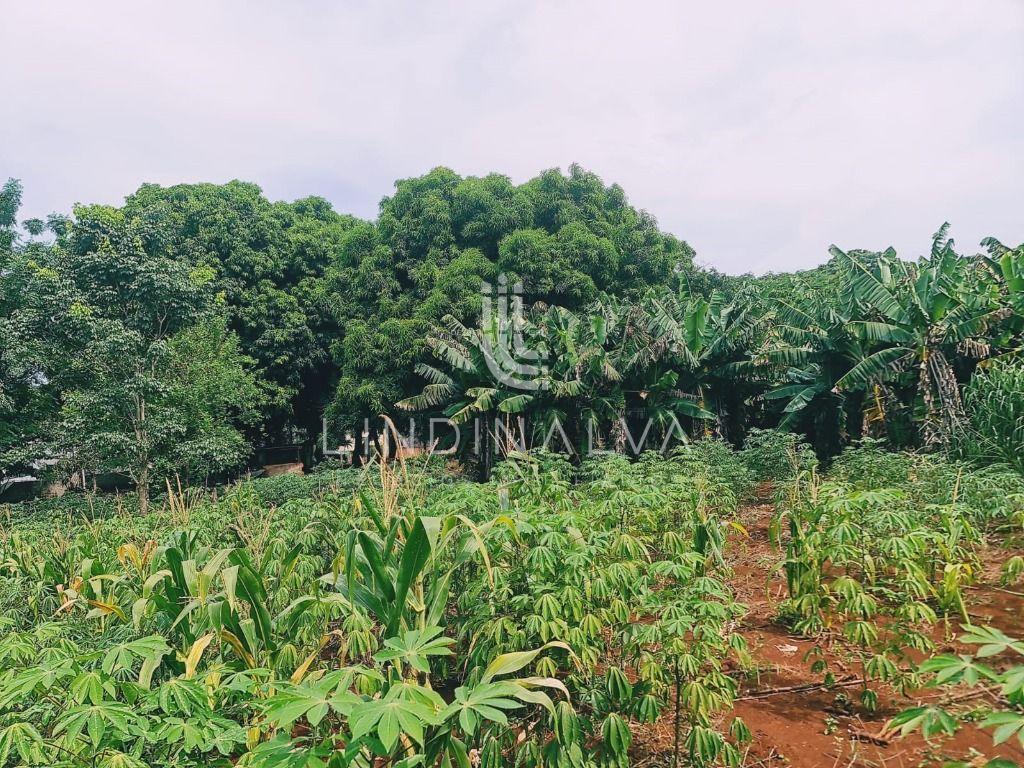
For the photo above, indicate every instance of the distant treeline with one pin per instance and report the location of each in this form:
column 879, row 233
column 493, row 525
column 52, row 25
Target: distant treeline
column 173, row 334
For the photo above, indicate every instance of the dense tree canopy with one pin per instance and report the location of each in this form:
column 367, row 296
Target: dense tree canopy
column 204, row 301
column 268, row 261
column 567, row 238
column 150, row 381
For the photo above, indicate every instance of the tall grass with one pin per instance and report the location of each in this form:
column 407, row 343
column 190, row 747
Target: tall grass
column 995, row 409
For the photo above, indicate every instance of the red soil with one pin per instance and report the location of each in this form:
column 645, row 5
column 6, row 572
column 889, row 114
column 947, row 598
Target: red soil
column 826, row 728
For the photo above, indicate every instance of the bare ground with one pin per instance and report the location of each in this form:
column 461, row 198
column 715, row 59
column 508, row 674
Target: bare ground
column 798, row 723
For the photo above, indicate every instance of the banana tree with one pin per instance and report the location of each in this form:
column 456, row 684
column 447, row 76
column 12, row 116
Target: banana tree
column 584, row 392
column 922, row 319
column 485, row 377
column 399, row 568
column 702, row 343
column 556, row 365
column 812, row 347
column 1006, row 267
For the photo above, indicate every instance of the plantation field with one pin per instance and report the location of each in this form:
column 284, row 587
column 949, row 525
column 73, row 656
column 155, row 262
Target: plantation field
column 712, row 607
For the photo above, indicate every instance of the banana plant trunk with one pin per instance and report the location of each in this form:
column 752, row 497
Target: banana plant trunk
column 486, row 447
column 940, row 391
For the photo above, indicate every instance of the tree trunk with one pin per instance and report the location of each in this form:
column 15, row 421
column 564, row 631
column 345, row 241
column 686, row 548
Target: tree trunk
column 142, row 444
column 142, row 491
column 854, row 415
column 357, row 449
column 938, row 388
column 375, row 438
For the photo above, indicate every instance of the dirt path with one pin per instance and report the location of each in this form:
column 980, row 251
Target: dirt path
column 814, row 727
column 810, row 729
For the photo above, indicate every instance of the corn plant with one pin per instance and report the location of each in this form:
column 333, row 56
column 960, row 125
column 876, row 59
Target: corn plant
column 389, row 713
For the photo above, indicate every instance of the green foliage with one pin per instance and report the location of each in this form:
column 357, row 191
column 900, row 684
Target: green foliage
column 731, row 468
column 151, row 383
column 814, row 349
column 994, row 401
column 10, row 202
column 886, row 548
column 267, row 262
column 177, row 415
column 412, row 282
column 697, row 345
column 922, row 315
column 293, row 310
column 1007, row 723
column 396, row 615
column 775, row 456
column 869, row 464
column 385, row 614
column 992, row 496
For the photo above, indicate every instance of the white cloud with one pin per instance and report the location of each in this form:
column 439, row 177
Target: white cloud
column 759, row 132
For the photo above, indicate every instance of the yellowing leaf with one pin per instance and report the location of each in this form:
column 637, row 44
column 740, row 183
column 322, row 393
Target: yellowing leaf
column 195, row 653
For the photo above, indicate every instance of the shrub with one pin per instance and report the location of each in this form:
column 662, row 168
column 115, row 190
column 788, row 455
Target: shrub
column 274, row 491
column 774, row 455
column 717, row 457
column 991, row 496
column 869, row 465
column 537, row 460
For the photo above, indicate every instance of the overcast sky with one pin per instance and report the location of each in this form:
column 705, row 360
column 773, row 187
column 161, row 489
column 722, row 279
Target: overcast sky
column 760, row 132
